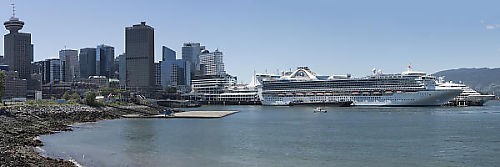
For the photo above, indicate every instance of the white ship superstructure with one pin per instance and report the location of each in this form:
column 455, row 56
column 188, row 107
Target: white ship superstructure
column 409, row 88
column 469, row 97
column 222, row 90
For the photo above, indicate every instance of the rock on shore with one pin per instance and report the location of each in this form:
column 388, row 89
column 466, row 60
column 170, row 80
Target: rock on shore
column 20, row 125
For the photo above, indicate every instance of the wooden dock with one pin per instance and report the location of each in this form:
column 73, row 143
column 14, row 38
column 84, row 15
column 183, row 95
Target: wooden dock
column 187, row 114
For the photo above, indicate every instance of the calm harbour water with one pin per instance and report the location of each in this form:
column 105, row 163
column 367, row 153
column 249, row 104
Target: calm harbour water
column 291, row 136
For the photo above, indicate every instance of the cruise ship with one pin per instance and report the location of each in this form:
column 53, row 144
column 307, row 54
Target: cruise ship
column 469, row 97
column 302, row 86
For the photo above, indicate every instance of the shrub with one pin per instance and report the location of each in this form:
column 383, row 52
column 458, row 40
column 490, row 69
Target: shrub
column 76, row 97
column 66, row 95
column 90, row 99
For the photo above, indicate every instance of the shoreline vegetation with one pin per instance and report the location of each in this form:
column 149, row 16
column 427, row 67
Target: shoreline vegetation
column 20, row 126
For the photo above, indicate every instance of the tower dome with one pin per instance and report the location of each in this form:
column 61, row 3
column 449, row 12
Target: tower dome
column 13, row 25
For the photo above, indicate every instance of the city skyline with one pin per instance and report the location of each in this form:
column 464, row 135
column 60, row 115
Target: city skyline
column 329, row 37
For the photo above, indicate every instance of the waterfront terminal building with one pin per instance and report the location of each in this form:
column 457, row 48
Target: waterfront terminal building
column 221, row 89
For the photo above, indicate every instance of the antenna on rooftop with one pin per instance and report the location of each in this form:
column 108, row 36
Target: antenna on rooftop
column 13, row 9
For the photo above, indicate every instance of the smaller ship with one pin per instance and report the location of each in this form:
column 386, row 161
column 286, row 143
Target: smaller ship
column 320, row 109
column 469, row 97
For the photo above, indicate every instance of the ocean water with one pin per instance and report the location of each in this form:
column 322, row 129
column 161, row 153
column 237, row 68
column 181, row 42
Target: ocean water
column 291, row 136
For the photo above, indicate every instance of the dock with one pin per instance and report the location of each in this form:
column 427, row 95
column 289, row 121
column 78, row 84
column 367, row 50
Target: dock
column 187, row 114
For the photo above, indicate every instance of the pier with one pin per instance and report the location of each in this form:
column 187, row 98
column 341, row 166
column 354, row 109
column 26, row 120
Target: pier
column 187, row 114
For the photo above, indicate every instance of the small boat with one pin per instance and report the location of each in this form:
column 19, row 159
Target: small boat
column 319, row 109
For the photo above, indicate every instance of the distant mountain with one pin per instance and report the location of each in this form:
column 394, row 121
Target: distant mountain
column 485, row 80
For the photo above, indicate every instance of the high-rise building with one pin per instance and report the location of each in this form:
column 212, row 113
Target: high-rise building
column 211, row 63
column 115, row 68
column 87, row 62
column 139, row 55
column 157, row 74
column 104, row 60
column 191, row 54
column 18, row 49
column 14, row 86
column 175, row 74
column 2, row 58
column 122, row 70
column 36, row 75
column 168, row 54
column 36, row 67
column 51, row 71
column 70, row 67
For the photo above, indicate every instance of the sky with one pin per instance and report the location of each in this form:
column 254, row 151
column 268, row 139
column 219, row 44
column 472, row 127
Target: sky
column 329, row 36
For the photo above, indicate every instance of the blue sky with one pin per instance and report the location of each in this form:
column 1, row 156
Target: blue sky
column 328, row 36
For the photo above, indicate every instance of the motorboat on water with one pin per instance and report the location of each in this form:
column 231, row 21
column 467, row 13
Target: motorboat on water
column 320, row 109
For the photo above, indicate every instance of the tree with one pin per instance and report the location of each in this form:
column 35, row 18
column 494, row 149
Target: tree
column 75, row 96
column 107, row 91
column 66, row 95
column 2, row 85
column 90, row 98
column 170, row 89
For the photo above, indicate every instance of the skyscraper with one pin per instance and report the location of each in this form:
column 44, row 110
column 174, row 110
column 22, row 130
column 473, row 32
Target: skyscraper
column 139, row 55
column 36, row 75
column 51, row 69
column 174, row 72
column 191, row 54
column 87, row 62
column 18, row 48
column 36, row 67
column 2, row 58
column 70, row 68
column 115, row 68
column 212, row 63
column 157, row 74
column 168, row 54
column 14, row 87
column 104, row 60
column 122, row 70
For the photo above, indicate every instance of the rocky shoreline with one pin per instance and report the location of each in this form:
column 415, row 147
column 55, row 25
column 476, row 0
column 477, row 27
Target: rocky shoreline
column 21, row 125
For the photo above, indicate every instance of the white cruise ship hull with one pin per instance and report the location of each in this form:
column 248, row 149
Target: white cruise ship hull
column 420, row 98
